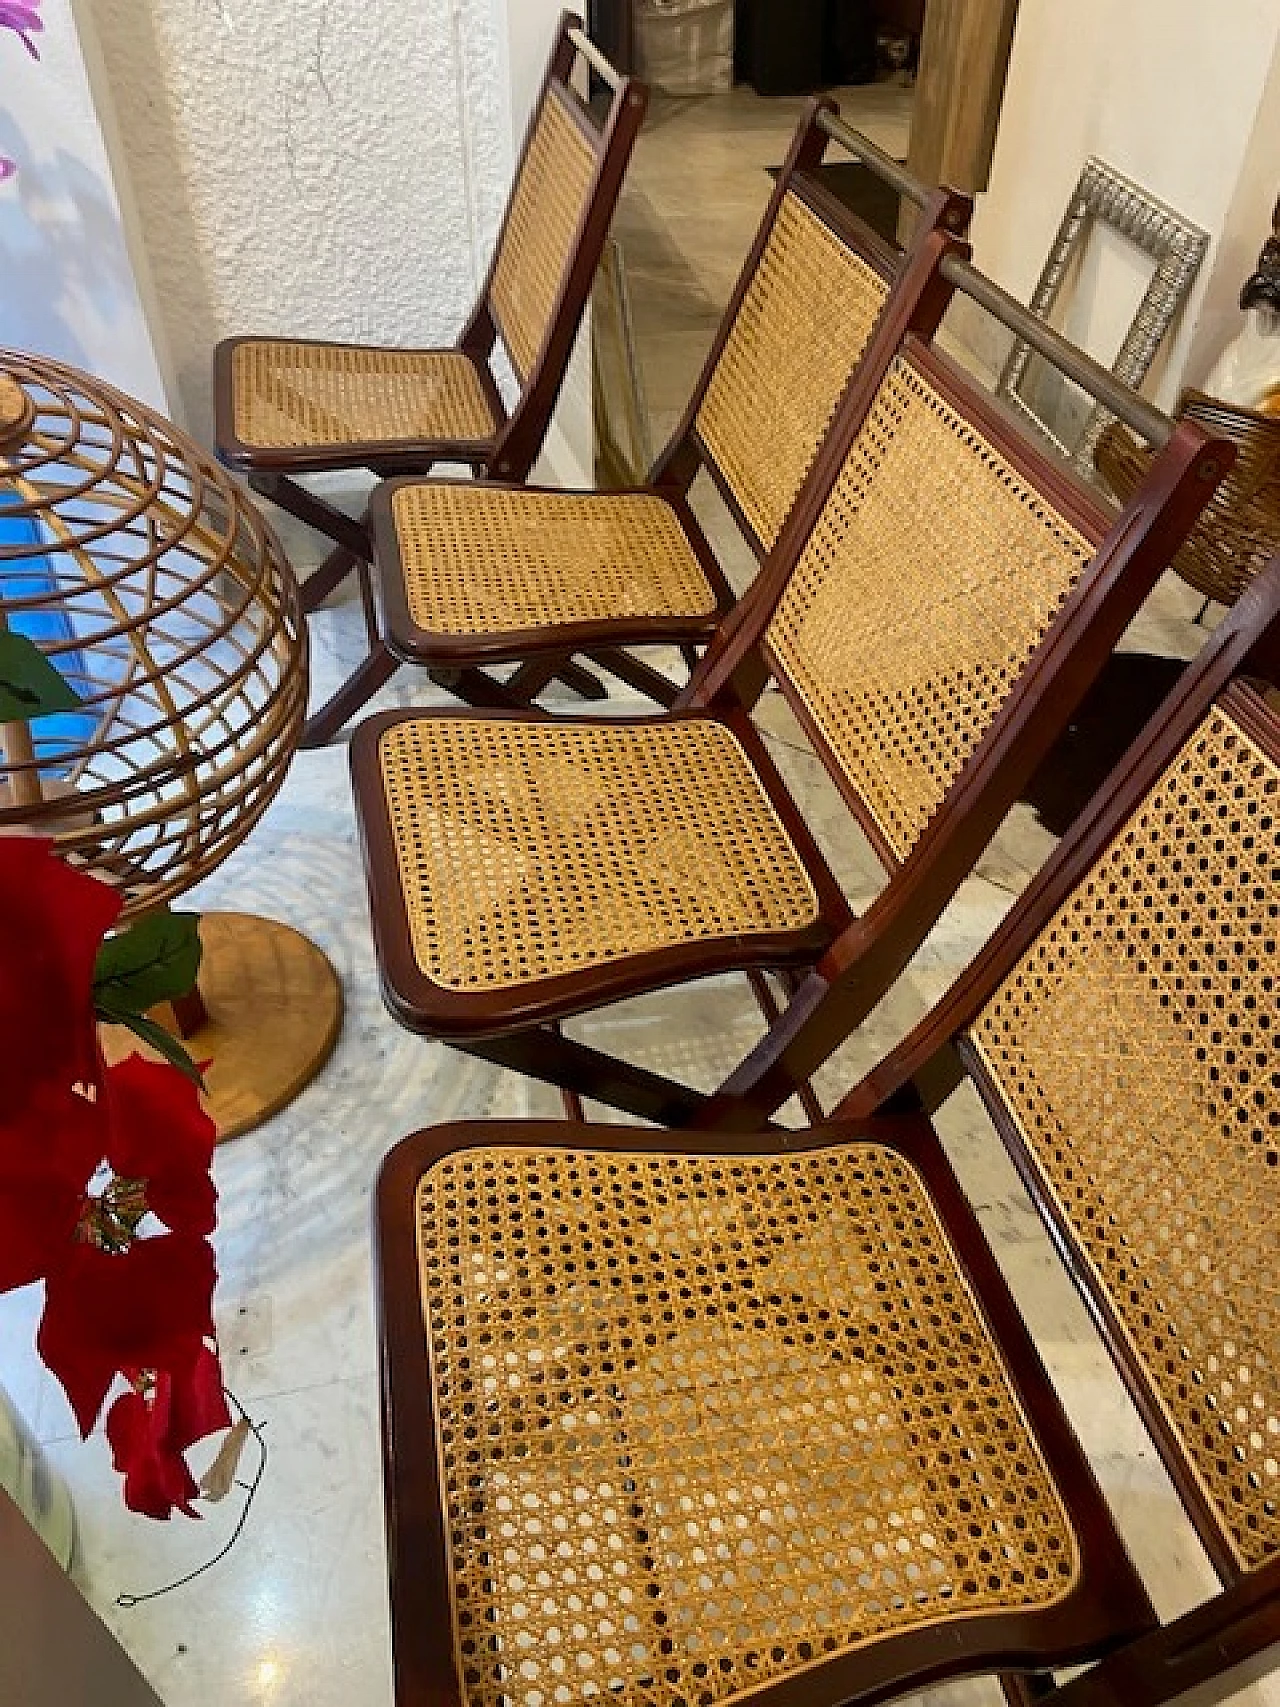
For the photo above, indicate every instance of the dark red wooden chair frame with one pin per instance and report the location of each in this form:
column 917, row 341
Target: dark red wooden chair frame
column 1218, row 1647
column 832, row 986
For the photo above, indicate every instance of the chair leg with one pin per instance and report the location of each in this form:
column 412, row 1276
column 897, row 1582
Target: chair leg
column 477, row 687
column 535, row 673
column 767, row 1002
column 1025, row 1689
column 358, row 689
column 326, row 518
column 526, row 683
column 580, row 680
column 363, row 682
column 648, row 681
column 322, row 580
column 545, row 1053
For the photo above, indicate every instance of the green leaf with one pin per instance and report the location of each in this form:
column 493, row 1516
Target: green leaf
column 162, row 1041
column 155, row 960
column 29, row 684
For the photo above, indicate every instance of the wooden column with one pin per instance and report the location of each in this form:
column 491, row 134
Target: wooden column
column 964, row 55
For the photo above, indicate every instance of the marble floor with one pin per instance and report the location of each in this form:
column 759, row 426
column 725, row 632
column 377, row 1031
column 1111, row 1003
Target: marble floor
column 296, row 1615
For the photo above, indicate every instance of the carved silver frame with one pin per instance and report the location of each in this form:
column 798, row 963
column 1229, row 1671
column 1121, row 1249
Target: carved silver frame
column 1175, row 245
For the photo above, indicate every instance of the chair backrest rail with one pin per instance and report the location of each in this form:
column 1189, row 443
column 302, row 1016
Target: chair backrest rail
column 1154, row 425
column 883, row 165
column 595, row 59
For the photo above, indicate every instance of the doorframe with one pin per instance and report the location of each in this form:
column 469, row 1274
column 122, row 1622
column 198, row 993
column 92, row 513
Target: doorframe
column 964, row 60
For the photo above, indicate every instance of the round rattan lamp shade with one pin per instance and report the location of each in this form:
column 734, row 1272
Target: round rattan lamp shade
column 160, row 595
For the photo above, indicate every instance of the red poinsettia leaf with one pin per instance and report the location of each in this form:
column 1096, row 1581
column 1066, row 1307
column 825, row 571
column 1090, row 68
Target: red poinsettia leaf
column 58, row 1131
column 159, row 1133
column 52, row 919
column 84, row 1369
column 148, row 1308
column 156, row 1479
column 38, row 1214
column 197, row 1405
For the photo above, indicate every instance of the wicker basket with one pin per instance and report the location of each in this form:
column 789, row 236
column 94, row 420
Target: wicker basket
column 1240, row 529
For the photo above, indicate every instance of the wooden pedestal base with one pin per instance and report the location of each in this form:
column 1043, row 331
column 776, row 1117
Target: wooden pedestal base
column 274, row 1008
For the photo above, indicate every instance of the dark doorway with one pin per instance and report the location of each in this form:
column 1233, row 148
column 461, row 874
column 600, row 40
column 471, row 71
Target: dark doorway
column 609, row 25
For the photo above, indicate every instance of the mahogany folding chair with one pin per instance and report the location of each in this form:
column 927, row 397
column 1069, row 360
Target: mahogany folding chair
column 477, row 574
column 670, row 1422
column 289, row 407
column 935, row 608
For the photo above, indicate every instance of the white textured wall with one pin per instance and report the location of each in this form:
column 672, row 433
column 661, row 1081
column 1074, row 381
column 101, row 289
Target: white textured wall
column 332, row 168
column 67, row 279
column 1173, row 94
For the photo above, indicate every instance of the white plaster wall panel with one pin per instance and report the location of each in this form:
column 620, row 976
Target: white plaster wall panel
column 67, row 285
column 324, row 167
column 1247, row 225
column 1168, row 92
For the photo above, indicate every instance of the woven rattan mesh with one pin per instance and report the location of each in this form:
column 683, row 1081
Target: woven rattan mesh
column 1238, row 531
column 802, row 326
column 481, row 560
column 703, row 1421
column 532, row 849
column 289, row 395
column 547, row 208
column 933, row 573
column 1136, row 1048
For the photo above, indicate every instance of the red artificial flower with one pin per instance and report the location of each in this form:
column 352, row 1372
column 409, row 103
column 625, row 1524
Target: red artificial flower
column 45, row 1168
column 161, row 1136
column 149, row 1433
column 197, row 1403
column 63, row 1130
column 156, row 1478
column 39, row 1212
column 147, row 1307
column 52, row 921
column 115, row 1303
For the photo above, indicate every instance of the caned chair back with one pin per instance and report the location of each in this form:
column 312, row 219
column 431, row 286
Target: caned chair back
column 1120, row 1026
column 940, row 560
column 796, row 338
column 1131, row 1055
column 809, row 297
column 549, row 202
column 552, row 236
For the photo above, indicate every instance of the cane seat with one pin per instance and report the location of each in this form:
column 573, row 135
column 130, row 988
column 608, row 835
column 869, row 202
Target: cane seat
column 478, row 558
column 294, row 394
column 706, row 1420
column 516, row 853
column 331, row 395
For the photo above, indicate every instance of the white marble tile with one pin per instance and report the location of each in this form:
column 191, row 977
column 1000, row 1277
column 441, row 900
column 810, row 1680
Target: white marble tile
column 296, row 1615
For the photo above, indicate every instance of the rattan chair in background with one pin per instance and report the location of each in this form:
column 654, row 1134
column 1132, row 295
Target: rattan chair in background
column 1240, row 529
column 671, row 1423
column 289, row 407
column 479, row 574
column 933, row 610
